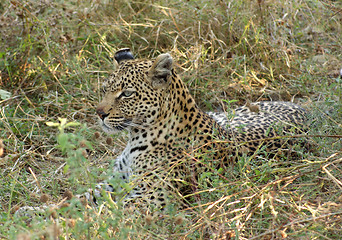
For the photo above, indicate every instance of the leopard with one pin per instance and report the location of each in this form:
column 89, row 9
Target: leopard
column 170, row 137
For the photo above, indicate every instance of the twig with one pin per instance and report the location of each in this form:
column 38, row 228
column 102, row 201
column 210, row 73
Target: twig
column 295, row 222
column 35, row 178
column 338, row 182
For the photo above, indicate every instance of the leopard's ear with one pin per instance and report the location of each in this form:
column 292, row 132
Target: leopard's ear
column 123, row 54
column 160, row 72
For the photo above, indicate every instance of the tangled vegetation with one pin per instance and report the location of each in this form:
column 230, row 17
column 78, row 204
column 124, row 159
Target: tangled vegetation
column 54, row 56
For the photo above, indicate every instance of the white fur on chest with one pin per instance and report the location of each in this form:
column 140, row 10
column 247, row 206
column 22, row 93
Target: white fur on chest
column 124, row 163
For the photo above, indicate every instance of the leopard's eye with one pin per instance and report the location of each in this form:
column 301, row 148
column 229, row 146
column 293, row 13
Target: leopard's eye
column 127, row 94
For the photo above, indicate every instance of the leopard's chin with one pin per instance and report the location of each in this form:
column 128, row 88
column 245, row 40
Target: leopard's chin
column 116, row 128
column 108, row 129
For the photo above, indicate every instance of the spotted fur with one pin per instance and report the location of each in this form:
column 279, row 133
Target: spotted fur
column 169, row 135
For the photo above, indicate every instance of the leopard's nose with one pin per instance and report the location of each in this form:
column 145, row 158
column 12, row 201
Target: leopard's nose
column 101, row 113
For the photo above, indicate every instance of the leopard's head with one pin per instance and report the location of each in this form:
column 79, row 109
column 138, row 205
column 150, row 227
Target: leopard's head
column 135, row 93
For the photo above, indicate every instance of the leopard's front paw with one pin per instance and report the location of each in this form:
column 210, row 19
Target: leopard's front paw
column 94, row 195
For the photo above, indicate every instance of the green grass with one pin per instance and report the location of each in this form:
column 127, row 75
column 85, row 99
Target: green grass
column 55, row 55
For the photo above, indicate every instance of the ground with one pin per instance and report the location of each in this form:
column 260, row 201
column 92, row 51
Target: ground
column 54, row 56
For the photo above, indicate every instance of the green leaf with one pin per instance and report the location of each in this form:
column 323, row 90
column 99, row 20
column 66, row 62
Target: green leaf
column 72, row 124
column 66, row 168
column 62, row 140
column 52, row 124
column 63, row 121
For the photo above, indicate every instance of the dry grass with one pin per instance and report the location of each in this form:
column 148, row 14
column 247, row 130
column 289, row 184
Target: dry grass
column 54, row 56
